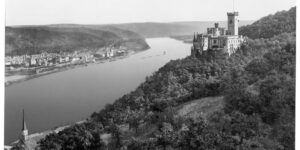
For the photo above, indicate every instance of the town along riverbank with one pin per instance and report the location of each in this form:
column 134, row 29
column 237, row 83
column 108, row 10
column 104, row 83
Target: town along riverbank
column 33, row 72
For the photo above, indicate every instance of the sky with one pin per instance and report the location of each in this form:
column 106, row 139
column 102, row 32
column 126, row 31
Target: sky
column 39, row 12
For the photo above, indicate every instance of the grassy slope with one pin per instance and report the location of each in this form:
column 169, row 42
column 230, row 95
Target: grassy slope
column 200, row 107
column 193, row 109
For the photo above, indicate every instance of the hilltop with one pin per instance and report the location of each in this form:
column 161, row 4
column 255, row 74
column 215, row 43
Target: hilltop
column 56, row 38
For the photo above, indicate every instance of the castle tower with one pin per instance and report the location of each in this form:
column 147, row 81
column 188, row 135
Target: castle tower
column 217, row 31
column 232, row 23
column 24, row 133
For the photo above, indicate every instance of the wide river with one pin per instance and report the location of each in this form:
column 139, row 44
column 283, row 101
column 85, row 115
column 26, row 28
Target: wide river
column 69, row 96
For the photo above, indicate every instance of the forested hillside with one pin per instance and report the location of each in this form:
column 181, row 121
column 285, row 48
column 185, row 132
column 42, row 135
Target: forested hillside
column 35, row 39
column 258, row 86
column 269, row 26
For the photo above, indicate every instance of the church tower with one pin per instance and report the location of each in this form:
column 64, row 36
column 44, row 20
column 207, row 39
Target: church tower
column 233, row 23
column 23, row 143
column 24, row 133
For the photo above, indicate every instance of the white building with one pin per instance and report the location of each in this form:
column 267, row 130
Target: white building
column 219, row 39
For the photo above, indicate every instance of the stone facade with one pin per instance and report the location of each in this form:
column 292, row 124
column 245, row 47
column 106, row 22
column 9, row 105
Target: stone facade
column 219, row 39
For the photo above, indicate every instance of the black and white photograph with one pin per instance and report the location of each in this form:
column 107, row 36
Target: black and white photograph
column 149, row 75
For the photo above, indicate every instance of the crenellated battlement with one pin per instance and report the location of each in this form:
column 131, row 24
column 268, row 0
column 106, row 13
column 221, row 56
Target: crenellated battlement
column 235, row 13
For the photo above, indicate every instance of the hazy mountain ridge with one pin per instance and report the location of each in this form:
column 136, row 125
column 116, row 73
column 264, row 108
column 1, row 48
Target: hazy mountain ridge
column 126, row 34
column 154, row 29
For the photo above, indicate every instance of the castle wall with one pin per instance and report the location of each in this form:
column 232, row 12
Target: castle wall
column 233, row 43
column 216, row 31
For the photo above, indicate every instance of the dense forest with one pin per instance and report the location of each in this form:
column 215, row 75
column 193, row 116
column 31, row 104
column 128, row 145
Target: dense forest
column 258, row 86
column 267, row 27
column 54, row 38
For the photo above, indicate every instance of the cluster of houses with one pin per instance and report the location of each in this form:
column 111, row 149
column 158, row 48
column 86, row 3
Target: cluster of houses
column 49, row 59
column 46, row 59
column 111, row 51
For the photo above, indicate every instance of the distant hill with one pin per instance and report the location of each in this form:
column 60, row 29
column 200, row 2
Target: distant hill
column 55, row 38
column 211, row 23
column 151, row 29
column 125, row 34
column 269, row 26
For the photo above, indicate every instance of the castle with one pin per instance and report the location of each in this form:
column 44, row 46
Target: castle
column 219, row 39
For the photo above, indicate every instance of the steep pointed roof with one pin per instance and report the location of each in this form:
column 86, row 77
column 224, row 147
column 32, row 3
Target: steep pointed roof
column 24, row 127
column 194, row 39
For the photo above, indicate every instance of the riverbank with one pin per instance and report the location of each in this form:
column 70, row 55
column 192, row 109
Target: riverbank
column 14, row 79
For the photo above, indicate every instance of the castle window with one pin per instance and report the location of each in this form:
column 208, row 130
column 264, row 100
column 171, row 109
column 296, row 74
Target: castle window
column 215, row 41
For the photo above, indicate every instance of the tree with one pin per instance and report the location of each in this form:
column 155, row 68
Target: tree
column 166, row 135
column 116, row 136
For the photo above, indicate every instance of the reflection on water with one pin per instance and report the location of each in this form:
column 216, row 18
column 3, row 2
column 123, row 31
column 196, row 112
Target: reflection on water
column 72, row 95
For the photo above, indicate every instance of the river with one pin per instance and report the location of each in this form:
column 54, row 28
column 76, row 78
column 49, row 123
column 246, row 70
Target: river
column 69, row 96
